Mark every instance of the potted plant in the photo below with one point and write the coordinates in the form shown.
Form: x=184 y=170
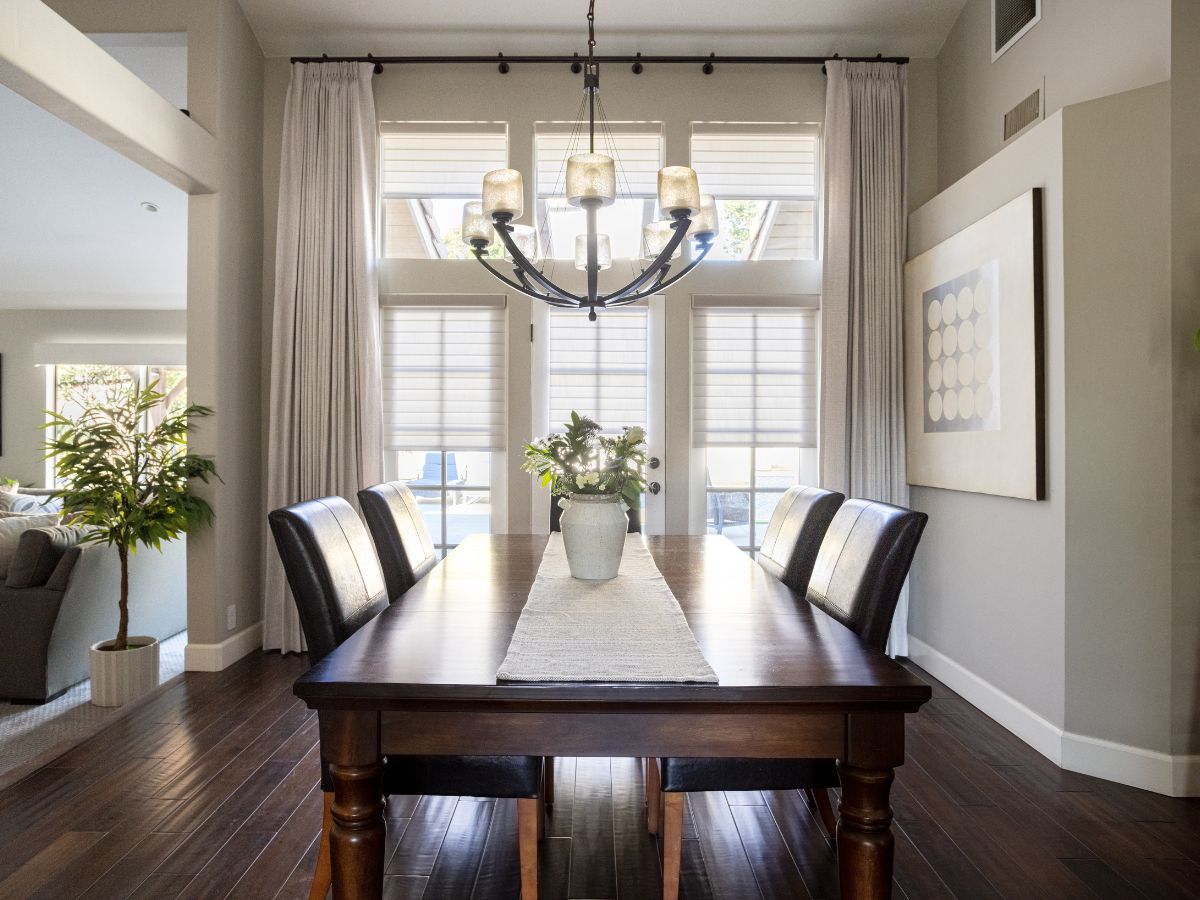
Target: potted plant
x=596 y=478
x=126 y=474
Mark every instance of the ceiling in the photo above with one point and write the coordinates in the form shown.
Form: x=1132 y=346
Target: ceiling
x=73 y=234
x=760 y=27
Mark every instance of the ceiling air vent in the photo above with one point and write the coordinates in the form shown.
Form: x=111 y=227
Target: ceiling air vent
x=1024 y=113
x=1010 y=20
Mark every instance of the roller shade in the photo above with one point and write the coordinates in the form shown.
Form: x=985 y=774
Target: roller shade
x=598 y=368
x=637 y=148
x=754 y=376
x=756 y=162
x=443 y=377
x=422 y=160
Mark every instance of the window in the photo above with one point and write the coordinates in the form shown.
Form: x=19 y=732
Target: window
x=599 y=369
x=427 y=171
x=764 y=178
x=754 y=396
x=638 y=150
x=444 y=407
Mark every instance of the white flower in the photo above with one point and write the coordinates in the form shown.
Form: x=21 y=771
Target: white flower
x=635 y=435
x=587 y=478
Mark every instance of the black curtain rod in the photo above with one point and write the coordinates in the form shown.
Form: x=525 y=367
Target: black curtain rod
x=711 y=59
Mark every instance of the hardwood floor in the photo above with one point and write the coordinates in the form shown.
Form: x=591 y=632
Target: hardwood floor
x=210 y=790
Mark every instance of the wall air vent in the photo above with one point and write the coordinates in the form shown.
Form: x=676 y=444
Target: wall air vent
x=1024 y=113
x=1010 y=20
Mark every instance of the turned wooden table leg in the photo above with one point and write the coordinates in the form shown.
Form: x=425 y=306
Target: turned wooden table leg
x=874 y=746
x=350 y=742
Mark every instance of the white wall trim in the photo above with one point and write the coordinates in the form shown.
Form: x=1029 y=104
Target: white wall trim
x=1038 y=732
x=215 y=657
x=1151 y=770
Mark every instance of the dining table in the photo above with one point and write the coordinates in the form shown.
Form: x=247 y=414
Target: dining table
x=420 y=679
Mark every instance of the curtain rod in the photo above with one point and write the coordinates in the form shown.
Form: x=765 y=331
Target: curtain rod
x=637 y=60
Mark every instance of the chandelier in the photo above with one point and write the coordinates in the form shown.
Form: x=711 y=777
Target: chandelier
x=591 y=183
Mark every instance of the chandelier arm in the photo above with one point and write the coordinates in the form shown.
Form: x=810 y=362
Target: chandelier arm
x=663 y=259
x=521 y=262
x=522 y=288
x=663 y=285
x=531 y=291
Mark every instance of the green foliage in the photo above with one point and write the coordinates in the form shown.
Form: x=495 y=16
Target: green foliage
x=741 y=217
x=127 y=474
x=1196 y=339
x=583 y=461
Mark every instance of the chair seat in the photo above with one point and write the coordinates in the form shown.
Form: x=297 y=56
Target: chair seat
x=457 y=776
x=685 y=774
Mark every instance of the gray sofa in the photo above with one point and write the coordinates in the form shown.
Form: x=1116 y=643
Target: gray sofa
x=60 y=597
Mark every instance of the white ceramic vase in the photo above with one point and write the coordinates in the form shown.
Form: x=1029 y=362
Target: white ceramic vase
x=593 y=530
x=119 y=677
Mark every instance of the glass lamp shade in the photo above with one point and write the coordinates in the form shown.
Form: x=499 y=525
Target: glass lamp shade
x=655 y=238
x=503 y=192
x=603 y=252
x=591 y=176
x=706 y=221
x=525 y=237
x=678 y=190
x=475 y=225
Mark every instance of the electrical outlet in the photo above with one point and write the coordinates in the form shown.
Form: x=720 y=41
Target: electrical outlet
x=231 y=617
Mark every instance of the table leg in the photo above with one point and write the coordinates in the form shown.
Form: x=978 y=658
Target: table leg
x=874 y=746
x=350 y=741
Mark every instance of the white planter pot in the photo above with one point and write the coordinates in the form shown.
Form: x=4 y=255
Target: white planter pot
x=118 y=677
x=593 y=530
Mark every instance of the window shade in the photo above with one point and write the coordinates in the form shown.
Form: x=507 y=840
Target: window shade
x=598 y=368
x=756 y=162
x=637 y=148
x=440 y=159
x=443 y=378
x=754 y=377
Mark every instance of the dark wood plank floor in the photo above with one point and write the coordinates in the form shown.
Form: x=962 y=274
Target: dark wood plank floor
x=210 y=790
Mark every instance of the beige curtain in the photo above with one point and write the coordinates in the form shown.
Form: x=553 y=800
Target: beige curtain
x=862 y=346
x=325 y=432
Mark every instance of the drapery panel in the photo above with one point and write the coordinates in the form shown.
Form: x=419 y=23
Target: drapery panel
x=862 y=400
x=325 y=433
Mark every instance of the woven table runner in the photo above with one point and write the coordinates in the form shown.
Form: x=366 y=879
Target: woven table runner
x=628 y=629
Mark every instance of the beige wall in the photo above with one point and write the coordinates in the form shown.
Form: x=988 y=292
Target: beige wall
x=1080 y=50
x=24 y=397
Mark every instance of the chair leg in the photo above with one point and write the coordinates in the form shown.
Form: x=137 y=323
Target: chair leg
x=672 y=843
x=653 y=789
x=825 y=808
x=548 y=781
x=529 y=810
x=323 y=876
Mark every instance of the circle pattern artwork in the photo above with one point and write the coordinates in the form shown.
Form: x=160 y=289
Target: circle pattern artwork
x=961 y=379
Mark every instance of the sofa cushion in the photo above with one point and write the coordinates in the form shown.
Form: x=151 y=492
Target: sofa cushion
x=22 y=502
x=11 y=529
x=39 y=551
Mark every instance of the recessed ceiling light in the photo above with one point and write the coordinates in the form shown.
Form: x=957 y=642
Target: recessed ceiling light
x=148 y=206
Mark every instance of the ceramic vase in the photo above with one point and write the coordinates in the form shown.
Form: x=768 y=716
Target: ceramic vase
x=593 y=530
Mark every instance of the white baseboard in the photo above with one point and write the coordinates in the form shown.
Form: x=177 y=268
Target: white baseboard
x=1151 y=770
x=215 y=657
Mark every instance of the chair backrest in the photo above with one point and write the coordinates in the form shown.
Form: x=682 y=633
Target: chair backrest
x=332 y=570
x=635 y=518
x=794 y=534
x=403 y=542
x=862 y=565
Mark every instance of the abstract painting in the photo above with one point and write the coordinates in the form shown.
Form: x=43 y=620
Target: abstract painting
x=973 y=357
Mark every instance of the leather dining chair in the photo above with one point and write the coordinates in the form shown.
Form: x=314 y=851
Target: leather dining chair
x=402 y=540
x=338 y=587
x=856 y=578
x=794 y=534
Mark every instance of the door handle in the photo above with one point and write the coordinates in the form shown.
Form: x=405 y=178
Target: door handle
x=654 y=487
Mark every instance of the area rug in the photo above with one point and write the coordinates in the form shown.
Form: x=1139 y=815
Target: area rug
x=29 y=733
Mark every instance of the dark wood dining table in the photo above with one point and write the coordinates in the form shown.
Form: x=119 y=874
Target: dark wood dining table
x=421 y=679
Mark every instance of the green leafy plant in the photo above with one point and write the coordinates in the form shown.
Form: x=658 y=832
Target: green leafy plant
x=127 y=474
x=584 y=461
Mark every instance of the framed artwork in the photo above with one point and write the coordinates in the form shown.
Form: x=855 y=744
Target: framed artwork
x=973 y=334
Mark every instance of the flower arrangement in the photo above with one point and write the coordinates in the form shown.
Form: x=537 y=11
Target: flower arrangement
x=583 y=461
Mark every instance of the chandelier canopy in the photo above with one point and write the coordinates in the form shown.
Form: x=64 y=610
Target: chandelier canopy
x=591 y=183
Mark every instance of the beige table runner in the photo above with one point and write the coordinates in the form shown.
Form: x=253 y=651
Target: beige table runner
x=628 y=629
